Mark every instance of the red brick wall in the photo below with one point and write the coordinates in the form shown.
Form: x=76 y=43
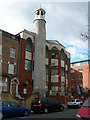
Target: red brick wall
x=8 y=43
x=24 y=75
x=85 y=73
x=59 y=70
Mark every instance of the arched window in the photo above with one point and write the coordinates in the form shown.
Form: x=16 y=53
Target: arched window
x=54 y=53
x=47 y=52
x=62 y=54
x=41 y=12
x=29 y=45
x=37 y=12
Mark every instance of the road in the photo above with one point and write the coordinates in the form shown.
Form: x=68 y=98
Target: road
x=67 y=113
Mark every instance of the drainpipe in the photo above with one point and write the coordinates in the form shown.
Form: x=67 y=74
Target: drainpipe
x=18 y=55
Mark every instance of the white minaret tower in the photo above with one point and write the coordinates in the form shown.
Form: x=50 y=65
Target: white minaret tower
x=39 y=56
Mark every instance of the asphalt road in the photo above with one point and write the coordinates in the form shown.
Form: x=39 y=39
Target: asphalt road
x=67 y=113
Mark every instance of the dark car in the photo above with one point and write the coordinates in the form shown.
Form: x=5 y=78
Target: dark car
x=46 y=105
x=84 y=112
x=8 y=108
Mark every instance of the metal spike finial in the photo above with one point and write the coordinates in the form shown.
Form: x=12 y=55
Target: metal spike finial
x=40 y=6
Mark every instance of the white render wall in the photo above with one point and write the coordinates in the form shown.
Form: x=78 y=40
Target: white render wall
x=39 y=60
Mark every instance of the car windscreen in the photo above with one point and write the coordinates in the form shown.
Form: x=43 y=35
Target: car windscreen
x=87 y=103
x=72 y=100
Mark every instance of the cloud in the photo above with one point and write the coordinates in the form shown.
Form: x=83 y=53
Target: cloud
x=64 y=21
x=72 y=51
x=67 y=22
x=75 y=53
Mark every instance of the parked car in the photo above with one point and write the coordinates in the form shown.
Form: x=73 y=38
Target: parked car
x=84 y=111
x=8 y=108
x=74 y=103
x=46 y=105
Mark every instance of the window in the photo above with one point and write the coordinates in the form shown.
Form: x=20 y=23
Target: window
x=62 y=54
x=12 y=52
x=54 y=70
x=4 y=86
x=47 y=69
x=80 y=77
x=33 y=66
x=72 y=71
x=0 y=49
x=72 y=77
x=62 y=87
x=29 y=45
x=54 y=53
x=66 y=74
x=27 y=64
x=37 y=12
x=41 y=12
x=54 y=56
x=62 y=71
x=80 y=69
x=54 y=88
x=14 y=104
x=66 y=60
x=47 y=52
x=11 y=69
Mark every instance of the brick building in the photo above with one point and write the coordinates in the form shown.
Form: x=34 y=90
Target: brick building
x=9 y=64
x=80 y=75
x=31 y=63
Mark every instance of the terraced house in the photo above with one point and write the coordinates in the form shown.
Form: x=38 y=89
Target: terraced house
x=32 y=64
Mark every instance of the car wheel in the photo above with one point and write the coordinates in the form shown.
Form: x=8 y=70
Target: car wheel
x=26 y=113
x=68 y=107
x=1 y=115
x=61 y=108
x=45 y=110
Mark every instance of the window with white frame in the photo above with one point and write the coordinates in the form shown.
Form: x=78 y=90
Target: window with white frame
x=11 y=69
x=54 y=88
x=27 y=64
x=4 y=85
x=80 y=69
x=0 y=49
x=12 y=52
x=72 y=71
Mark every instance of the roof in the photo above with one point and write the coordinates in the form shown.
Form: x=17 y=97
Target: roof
x=83 y=61
x=54 y=42
x=40 y=9
x=7 y=34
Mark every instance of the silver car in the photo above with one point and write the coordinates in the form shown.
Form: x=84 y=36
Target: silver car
x=74 y=103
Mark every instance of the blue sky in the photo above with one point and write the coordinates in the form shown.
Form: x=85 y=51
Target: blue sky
x=64 y=22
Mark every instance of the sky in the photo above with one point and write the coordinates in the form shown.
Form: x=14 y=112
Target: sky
x=65 y=21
